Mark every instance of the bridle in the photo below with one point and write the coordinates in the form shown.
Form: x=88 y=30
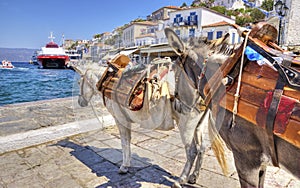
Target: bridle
x=181 y=61
x=84 y=80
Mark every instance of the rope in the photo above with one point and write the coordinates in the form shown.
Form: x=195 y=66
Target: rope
x=237 y=94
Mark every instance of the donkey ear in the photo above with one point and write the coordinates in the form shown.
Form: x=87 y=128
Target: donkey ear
x=220 y=41
x=174 y=41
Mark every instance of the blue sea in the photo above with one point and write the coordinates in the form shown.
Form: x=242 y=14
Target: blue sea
x=26 y=82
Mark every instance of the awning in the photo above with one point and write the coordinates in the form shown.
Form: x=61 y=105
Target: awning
x=128 y=52
x=108 y=56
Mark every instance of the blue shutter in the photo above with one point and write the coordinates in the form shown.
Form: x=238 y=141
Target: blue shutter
x=219 y=34
x=233 y=38
x=210 y=35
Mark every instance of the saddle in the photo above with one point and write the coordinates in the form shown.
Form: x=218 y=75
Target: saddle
x=126 y=85
x=126 y=89
x=269 y=94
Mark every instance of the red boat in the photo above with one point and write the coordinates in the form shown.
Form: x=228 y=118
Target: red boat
x=52 y=56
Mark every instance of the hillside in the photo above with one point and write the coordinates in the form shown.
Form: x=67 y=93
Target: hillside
x=16 y=54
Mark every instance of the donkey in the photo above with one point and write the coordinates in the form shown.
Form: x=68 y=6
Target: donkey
x=248 y=143
x=183 y=111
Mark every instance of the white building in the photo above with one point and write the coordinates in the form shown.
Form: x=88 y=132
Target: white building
x=229 y=3
x=188 y=22
x=216 y=30
x=138 y=30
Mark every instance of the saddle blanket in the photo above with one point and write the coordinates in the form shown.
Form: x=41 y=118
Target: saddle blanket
x=258 y=84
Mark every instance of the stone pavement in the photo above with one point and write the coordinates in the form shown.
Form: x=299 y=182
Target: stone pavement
x=92 y=159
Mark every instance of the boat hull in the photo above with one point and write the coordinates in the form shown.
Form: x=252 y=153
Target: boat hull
x=53 y=62
x=6 y=67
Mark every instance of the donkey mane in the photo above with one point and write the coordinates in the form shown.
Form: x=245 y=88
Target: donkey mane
x=216 y=51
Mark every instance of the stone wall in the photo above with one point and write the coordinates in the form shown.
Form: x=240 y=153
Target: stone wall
x=293 y=24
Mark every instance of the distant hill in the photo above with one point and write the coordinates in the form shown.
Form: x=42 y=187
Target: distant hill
x=16 y=54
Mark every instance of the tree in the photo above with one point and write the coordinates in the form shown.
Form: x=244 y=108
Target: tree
x=97 y=36
x=243 y=20
x=257 y=15
x=267 y=5
x=220 y=9
x=183 y=5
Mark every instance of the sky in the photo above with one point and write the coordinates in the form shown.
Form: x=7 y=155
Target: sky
x=28 y=23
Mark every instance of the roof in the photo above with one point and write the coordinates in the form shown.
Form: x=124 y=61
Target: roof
x=168 y=7
x=217 y=24
x=172 y=7
x=144 y=23
x=149 y=23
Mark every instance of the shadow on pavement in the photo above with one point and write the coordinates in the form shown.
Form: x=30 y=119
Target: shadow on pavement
x=103 y=167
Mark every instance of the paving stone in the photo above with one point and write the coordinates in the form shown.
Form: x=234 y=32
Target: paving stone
x=157 y=146
x=113 y=143
x=211 y=179
x=96 y=182
x=10 y=156
x=49 y=171
x=155 y=134
x=173 y=167
x=142 y=154
x=110 y=171
x=178 y=155
x=294 y=184
x=153 y=174
x=137 y=137
x=87 y=157
x=64 y=181
x=132 y=182
x=279 y=178
x=33 y=156
x=96 y=146
x=173 y=139
x=12 y=169
x=81 y=173
x=113 y=155
x=29 y=182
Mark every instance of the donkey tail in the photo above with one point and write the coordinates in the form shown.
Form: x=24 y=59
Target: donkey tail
x=218 y=145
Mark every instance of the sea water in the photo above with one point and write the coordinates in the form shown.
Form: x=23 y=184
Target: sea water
x=26 y=82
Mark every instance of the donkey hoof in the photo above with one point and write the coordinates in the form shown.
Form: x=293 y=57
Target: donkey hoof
x=192 y=179
x=123 y=170
x=176 y=185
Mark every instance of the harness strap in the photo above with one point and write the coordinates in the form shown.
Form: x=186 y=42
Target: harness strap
x=271 y=119
x=237 y=94
x=215 y=81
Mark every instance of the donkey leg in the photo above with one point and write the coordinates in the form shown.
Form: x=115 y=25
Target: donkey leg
x=251 y=172
x=262 y=175
x=125 y=134
x=200 y=153
x=187 y=126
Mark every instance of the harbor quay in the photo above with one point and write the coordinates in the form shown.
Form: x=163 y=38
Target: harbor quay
x=56 y=143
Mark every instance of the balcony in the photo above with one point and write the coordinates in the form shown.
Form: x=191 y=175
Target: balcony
x=185 y=23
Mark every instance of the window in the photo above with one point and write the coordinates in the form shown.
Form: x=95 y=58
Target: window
x=219 y=34
x=233 y=38
x=192 y=33
x=192 y=19
x=210 y=35
x=178 y=18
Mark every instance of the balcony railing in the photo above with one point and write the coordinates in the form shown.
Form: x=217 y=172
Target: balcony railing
x=185 y=23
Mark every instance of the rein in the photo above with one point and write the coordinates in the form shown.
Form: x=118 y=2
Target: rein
x=85 y=80
x=199 y=105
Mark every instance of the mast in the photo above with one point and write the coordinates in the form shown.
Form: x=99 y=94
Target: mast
x=51 y=37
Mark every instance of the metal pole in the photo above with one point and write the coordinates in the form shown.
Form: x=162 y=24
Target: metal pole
x=279 y=31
